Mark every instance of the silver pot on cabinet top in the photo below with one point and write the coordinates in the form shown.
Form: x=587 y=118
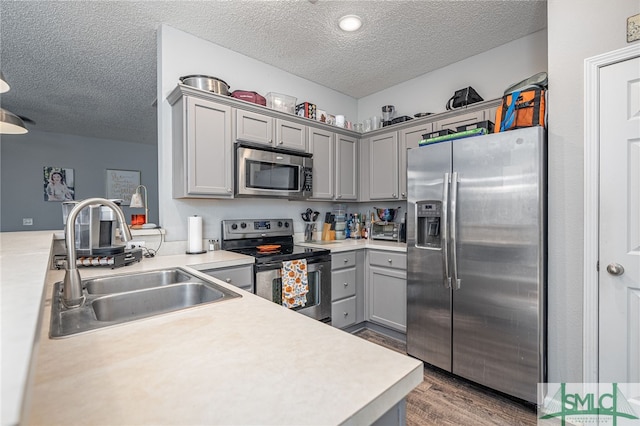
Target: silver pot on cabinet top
x=205 y=82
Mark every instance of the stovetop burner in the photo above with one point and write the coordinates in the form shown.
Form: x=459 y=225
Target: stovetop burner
x=245 y=235
x=285 y=253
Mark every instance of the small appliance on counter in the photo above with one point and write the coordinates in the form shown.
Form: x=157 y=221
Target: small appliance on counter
x=95 y=238
x=389 y=231
x=385 y=228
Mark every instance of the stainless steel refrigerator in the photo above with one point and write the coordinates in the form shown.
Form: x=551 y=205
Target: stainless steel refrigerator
x=476 y=259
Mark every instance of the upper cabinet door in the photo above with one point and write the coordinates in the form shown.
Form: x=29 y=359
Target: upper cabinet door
x=253 y=127
x=383 y=167
x=346 y=167
x=209 y=160
x=452 y=123
x=409 y=138
x=291 y=135
x=321 y=145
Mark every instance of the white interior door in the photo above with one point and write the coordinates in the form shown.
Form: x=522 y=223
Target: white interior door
x=619 y=234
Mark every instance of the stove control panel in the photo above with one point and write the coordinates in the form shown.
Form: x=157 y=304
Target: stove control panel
x=256 y=228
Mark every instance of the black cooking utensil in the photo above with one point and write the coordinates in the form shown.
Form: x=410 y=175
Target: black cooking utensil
x=315 y=216
x=306 y=216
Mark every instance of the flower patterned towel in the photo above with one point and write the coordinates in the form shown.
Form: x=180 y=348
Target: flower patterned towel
x=295 y=284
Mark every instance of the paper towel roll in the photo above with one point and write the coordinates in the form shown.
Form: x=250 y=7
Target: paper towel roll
x=194 y=235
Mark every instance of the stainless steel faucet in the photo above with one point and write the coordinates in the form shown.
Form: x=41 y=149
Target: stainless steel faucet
x=73 y=295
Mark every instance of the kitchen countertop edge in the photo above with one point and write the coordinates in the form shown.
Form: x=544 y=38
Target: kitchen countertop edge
x=12 y=247
x=337 y=246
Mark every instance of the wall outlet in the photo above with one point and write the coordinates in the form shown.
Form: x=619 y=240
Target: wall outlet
x=135 y=244
x=27 y=221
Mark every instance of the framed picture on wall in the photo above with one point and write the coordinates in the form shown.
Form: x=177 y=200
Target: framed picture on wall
x=59 y=184
x=121 y=184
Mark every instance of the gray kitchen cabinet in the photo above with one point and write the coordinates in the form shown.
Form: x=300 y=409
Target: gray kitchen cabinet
x=409 y=138
x=254 y=127
x=291 y=135
x=343 y=289
x=346 y=168
x=461 y=119
x=347 y=288
x=343 y=312
x=275 y=132
x=386 y=290
x=202 y=149
x=239 y=276
x=383 y=167
x=322 y=146
x=363 y=160
x=490 y=114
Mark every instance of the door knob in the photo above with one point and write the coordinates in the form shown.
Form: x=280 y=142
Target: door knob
x=615 y=269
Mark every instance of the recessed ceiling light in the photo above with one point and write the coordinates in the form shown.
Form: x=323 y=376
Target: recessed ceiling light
x=350 y=23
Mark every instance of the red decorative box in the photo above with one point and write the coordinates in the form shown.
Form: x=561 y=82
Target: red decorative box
x=252 y=97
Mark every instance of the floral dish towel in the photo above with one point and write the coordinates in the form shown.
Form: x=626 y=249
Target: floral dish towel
x=295 y=284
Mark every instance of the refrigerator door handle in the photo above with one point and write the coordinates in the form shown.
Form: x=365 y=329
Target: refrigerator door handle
x=444 y=235
x=454 y=201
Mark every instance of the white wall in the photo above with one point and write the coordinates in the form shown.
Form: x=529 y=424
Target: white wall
x=489 y=73
x=181 y=54
x=577 y=29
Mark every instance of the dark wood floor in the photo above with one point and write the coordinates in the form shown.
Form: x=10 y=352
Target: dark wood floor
x=442 y=399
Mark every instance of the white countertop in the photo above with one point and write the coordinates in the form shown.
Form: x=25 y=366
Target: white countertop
x=241 y=361
x=337 y=246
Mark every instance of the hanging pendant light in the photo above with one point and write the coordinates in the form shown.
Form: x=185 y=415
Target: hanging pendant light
x=11 y=124
x=4 y=86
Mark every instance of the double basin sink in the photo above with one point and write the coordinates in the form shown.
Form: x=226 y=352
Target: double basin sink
x=122 y=298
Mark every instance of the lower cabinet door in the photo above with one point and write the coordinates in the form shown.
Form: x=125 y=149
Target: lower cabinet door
x=343 y=312
x=343 y=283
x=387 y=297
x=240 y=276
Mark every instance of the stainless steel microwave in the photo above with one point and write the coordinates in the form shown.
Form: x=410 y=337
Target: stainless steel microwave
x=263 y=171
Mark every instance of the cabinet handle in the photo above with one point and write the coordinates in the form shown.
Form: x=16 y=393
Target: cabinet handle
x=229 y=190
x=228 y=280
x=346 y=260
x=345 y=314
x=270 y=140
x=346 y=284
x=394 y=195
x=404 y=195
x=389 y=260
x=339 y=196
x=280 y=143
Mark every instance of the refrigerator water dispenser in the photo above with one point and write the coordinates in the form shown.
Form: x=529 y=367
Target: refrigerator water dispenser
x=428 y=215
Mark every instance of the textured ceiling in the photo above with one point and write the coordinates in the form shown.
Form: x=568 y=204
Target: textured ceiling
x=89 y=67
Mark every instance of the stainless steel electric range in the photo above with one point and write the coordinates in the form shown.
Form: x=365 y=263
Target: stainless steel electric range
x=270 y=241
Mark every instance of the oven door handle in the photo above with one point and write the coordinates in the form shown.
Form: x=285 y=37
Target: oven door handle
x=262 y=267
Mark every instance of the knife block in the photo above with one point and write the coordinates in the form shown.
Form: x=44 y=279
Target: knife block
x=327 y=233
